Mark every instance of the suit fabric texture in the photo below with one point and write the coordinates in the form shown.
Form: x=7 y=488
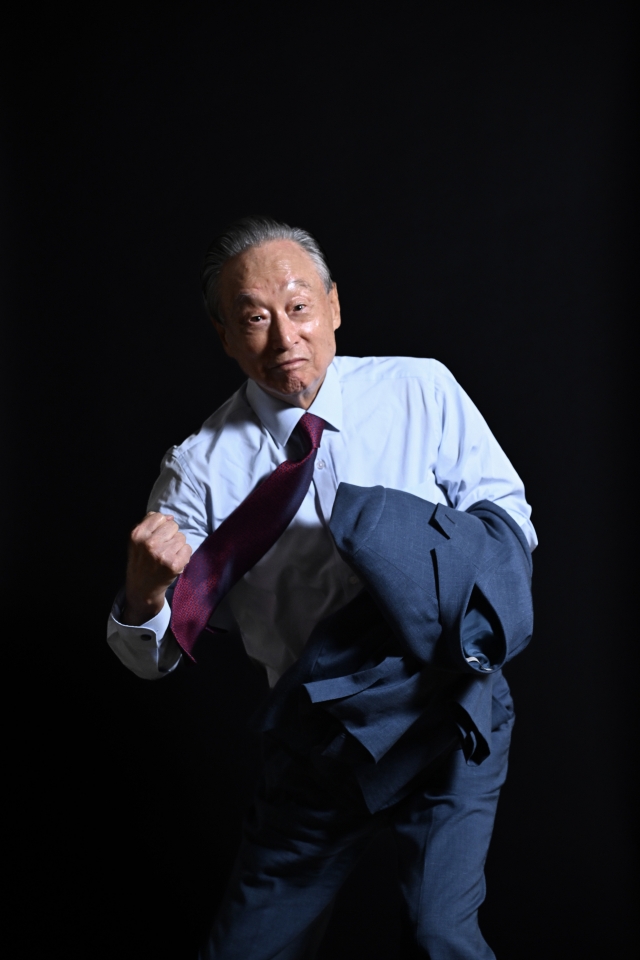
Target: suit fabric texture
x=386 y=721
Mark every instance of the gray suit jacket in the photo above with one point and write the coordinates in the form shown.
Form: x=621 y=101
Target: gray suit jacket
x=384 y=686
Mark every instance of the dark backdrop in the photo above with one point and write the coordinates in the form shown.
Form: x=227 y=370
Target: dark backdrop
x=467 y=169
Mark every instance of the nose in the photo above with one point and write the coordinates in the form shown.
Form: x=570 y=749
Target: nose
x=283 y=332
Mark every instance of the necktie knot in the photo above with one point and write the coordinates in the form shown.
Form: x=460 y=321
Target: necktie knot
x=312 y=427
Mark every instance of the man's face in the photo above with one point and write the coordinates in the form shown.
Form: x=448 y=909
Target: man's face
x=279 y=321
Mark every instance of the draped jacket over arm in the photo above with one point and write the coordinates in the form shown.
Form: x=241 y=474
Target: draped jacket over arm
x=384 y=684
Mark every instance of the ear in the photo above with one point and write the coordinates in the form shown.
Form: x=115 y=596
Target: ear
x=335 y=306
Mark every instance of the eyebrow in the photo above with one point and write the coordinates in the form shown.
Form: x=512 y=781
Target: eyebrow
x=243 y=298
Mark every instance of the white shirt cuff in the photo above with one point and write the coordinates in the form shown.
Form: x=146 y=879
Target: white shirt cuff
x=148 y=650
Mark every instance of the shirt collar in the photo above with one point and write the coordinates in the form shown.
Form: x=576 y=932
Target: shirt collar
x=281 y=418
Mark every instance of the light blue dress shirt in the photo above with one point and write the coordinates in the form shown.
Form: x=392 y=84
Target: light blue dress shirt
x=396 y=421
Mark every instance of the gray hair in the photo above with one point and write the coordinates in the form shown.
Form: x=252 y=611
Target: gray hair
x=250 y=232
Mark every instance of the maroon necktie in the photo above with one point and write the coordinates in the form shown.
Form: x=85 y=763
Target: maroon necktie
x=241 y=540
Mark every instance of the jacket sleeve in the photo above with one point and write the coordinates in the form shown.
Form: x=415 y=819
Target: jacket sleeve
x=442 y=578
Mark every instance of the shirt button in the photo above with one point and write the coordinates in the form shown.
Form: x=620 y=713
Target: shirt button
x=353 y=579
x=320 y=464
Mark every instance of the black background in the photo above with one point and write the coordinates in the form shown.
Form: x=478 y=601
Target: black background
x=467 y=168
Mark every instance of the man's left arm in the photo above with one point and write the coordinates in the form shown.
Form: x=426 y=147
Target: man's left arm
x=471 y=464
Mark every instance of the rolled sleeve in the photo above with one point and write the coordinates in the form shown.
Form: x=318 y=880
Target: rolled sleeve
x=472 y=465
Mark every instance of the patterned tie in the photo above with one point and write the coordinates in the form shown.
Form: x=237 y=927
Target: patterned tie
x=241 y=540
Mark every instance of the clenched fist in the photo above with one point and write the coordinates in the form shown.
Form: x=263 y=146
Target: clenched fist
x=158 y=552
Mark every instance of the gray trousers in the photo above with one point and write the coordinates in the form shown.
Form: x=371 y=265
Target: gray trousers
x=302 y=838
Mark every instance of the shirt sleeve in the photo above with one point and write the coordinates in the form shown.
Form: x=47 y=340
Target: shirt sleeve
x=150 y=651
x=471 y=464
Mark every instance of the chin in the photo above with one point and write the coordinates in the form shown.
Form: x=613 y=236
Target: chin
x=289 y=386
x=290 y=389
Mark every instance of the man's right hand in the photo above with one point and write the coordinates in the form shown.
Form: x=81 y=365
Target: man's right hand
x=158 y=553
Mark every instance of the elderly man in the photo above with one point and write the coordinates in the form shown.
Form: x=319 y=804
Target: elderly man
x=275 y=500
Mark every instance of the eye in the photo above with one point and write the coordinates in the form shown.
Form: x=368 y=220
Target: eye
x=299 y=306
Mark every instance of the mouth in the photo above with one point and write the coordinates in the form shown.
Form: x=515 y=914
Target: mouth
x=289 y=364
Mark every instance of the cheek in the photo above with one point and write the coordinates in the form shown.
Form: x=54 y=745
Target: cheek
x=320 y=333
x=328 y=339
x=244 y=350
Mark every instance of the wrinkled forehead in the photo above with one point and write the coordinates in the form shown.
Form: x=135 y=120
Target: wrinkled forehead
x=274 y=267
